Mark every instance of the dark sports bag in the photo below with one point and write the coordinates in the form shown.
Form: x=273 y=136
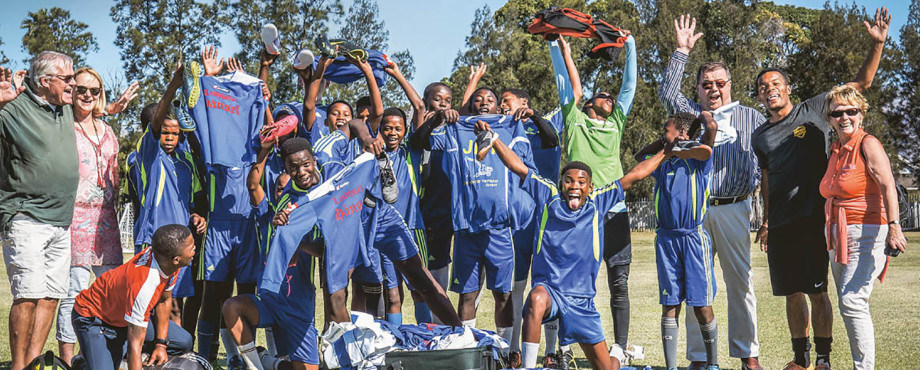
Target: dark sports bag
x=48 y=361
x=479 y=358
x=553 y=22
x=187 y=361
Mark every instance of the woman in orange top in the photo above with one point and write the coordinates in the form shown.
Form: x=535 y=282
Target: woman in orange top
x=862 y=217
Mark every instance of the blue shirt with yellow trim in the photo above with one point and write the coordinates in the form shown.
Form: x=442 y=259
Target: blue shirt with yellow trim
x=569 y=244
x=682 y=192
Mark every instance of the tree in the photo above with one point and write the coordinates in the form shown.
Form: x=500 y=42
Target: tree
x=153 y=35
x=904 y=107
x=3 y=58
x=299 y=22
x=366 y=30
x=53 y=29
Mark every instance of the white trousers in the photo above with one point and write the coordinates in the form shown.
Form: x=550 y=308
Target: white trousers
x=854 y=281
x=728 y=226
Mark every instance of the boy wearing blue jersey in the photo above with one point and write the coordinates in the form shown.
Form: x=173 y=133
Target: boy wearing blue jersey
x=564 y=269
x=290 y=311
x=682 y=247
x=166 y=181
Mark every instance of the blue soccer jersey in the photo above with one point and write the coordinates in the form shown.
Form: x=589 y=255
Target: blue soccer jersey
x=682 y=192
x=166 y=185
x=569 y=244
x=407 y=204
x=335 y=206
x=482 y=194
x=333 y=152
x=228 y=115
x=229 y=193
x=546 y=159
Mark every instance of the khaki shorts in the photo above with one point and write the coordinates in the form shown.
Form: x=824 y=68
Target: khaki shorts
x=37 y=257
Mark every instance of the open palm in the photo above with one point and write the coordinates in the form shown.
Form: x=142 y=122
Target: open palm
x=7 y=91
x=878 y=30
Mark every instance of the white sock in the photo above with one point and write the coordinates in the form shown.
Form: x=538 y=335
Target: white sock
x=517 y=301
x=504 y=332
x=229 y=343
x=269 y=362
x=442 y=277
x=270 y=341
x=470 y=323
x=529 y=355
x=551 y=330
x=251 y=356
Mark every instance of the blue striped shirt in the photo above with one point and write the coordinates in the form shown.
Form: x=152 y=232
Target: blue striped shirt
x=735 y=170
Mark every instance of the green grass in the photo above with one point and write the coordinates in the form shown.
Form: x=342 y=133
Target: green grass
x=894 y=309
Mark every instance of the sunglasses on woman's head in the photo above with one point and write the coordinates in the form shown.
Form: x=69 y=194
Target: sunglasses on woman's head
x=852 y=112
x=95 y=91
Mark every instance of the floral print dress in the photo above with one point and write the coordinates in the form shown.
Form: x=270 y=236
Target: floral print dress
x=94 y=234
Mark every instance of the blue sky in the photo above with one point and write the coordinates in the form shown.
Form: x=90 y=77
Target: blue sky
x=432 y=30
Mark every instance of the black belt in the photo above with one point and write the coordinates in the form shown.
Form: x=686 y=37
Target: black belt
x=723 y=201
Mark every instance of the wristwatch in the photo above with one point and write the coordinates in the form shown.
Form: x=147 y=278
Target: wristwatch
x=894 y=222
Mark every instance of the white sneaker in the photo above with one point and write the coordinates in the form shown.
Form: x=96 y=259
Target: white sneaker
x=304 y=59
x=617 y=353
x=271 y=38
x=634 y=352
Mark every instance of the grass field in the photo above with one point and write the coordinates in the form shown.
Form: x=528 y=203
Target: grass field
x=894 y=307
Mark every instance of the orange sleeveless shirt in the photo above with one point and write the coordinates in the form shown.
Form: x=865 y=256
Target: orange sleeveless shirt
x=848 y=183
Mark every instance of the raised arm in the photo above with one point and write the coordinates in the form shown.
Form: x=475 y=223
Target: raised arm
x=212 y=66
x=8 y=90
x=311 y=90
x=711 y=127
x=476 y=74
x=257 y=172
x=166 y=100
x=643 y=169
x=265 y=62
x=669 y=91
x=628 y=88
x=418 y=105
x=547 y=133
x=574 y=78
x=376 y=111
x=420 y=140
x=878 y=32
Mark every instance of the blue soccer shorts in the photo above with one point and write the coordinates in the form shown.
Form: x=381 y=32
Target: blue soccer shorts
x=292 y=325
x=231 y=251
x=685 y=267
x=579 y=321
x=491 y=251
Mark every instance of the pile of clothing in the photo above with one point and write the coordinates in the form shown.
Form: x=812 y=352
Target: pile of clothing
x=364 y=343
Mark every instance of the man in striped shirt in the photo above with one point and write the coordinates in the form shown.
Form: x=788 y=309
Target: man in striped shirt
x=735 y=175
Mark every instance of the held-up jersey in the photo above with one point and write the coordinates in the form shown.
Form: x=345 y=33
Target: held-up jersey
x=482 y=194
x=682 y=192
x=228 y=115
x=126 y=294
x=333 y=152
x=335 y=206
x=547 y=160
x=166 y=187
x=568 y=249
x=407 y=204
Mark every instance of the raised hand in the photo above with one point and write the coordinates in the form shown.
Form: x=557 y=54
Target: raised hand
x=878 y=30
x=476 y=73
x=8 y=92
x=685 y=27
x=523 y=113
x=234 y=65
x=392 y=69
x=19 y=78
x=123 y=101
x=266 y=58
x=212 y=66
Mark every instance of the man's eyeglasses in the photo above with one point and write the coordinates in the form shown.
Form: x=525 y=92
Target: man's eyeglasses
x=719 y=84
x=852 y=112
x=65 y=78
x=95 y=91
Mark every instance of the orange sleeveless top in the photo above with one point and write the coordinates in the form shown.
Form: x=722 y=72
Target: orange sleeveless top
x=848 y=183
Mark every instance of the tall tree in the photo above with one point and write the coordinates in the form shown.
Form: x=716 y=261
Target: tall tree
x=3 y=58
x=298 y=21
x=904 y=108
x=153 y=35
x=53 y=29
x=363 y=27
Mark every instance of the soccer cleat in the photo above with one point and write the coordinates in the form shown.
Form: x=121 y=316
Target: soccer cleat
x=369 y=201
x=191 y=84
x=745 y=366
x=551 y=361
x=236 y=363
x=697 y=365
x=390 y=189
x=351 y=50
x=515 y=360
x=186 y=123
x=328 y=48
x=688 y=149
x=567 y=360
x=484 y=141
x=304 y=59
x=271 y=38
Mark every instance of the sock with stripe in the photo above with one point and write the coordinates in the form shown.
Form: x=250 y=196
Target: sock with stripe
x=251 y=356
x=669 y=341
x=207 y=330
x=710 y=333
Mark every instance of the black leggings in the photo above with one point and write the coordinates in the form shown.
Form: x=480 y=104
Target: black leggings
x=617 y=277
